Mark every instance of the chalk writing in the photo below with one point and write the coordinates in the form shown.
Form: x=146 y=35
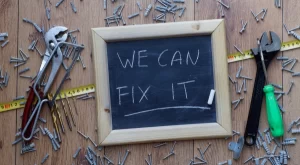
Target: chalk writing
x=164 y=108
x=160 y=82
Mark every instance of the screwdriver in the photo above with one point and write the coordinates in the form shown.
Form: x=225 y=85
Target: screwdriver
x=273 y=113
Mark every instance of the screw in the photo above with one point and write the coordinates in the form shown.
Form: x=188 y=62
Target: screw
x=209 y=144
x=266 y=148
x=48 y=13
x=5 y=43
x=222 y=163
x=181 y=12
x=42 y=120
x=105 y=4
x=133 y=15
x=291 y=142
x=159 y=145
x=231 y=80
x=148 y=9
x=238 y=49
x=227 y=6
x=254 y=16
x=239 y=72
x=29 y=77
x=276 y=86
x=290 y=88
x=279 y=92
x=265 y=12
x=245 y=85
x=285 y=63
x=259 y=12
x=80 y=58
x=139 y=5
x=295 y=131
x=125 y=157
x=172 y=149
x=257 y=144
x=241 y=87
x=105 y=157
x=288 y=139
x=288 y=70
x=268 y=137
x=42 y=130
x=4 y=34
x=222 y=12
x=293 y=64
x=89 y=160
x=86 y=137
x=73 y=7
x=58 y=3
x=17 y=141
x=259 y=140
x=170 y=154
x=279 y=96
x=19 y=98
x=274 y=149
x=45 y=158
x=93 y=142
x=121 y=9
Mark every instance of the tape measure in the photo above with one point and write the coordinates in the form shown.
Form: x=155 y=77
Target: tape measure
x=69 y=92
x=247 y=54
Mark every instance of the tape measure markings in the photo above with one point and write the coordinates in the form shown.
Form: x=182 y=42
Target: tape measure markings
x=69 y=92
x=248 y=55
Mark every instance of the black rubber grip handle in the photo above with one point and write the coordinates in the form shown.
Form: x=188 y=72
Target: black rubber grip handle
x=255 y=107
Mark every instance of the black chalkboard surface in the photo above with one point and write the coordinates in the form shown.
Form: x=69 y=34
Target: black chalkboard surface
x=161 y=82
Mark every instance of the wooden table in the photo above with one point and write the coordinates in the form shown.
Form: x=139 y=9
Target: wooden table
x=91 y=14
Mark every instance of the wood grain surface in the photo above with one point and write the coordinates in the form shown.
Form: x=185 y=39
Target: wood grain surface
x=90 y=14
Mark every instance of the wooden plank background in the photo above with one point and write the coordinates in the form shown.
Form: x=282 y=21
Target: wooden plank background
x=91 y=14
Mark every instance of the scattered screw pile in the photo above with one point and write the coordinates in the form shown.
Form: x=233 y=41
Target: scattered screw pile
x=164 y=7
x=263 y=12
x=292 y=31
x=243 y=87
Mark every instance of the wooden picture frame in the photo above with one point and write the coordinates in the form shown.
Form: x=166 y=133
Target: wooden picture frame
x=222 y=128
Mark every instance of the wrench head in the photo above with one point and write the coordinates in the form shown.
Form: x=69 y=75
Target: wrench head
x=54 y=34
x=269 y=47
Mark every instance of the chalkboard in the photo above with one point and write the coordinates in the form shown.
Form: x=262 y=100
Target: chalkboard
x=153 y=82
x=161 y=82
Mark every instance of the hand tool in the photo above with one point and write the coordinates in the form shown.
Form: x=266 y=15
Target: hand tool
x=270 y=49
x=66 y=114
x=273 y=111
x=73 y=99
x=59 y=117
x=53 y=109
x=70 y=109
x=54 y=54
x=51 y=43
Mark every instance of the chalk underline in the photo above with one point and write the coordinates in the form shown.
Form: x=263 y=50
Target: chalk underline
x=164 y=108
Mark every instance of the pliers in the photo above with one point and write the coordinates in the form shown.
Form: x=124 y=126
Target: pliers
x=37 y=98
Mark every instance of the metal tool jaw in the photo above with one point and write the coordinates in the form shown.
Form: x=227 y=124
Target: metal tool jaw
x=52 y=37
x=269 y=49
